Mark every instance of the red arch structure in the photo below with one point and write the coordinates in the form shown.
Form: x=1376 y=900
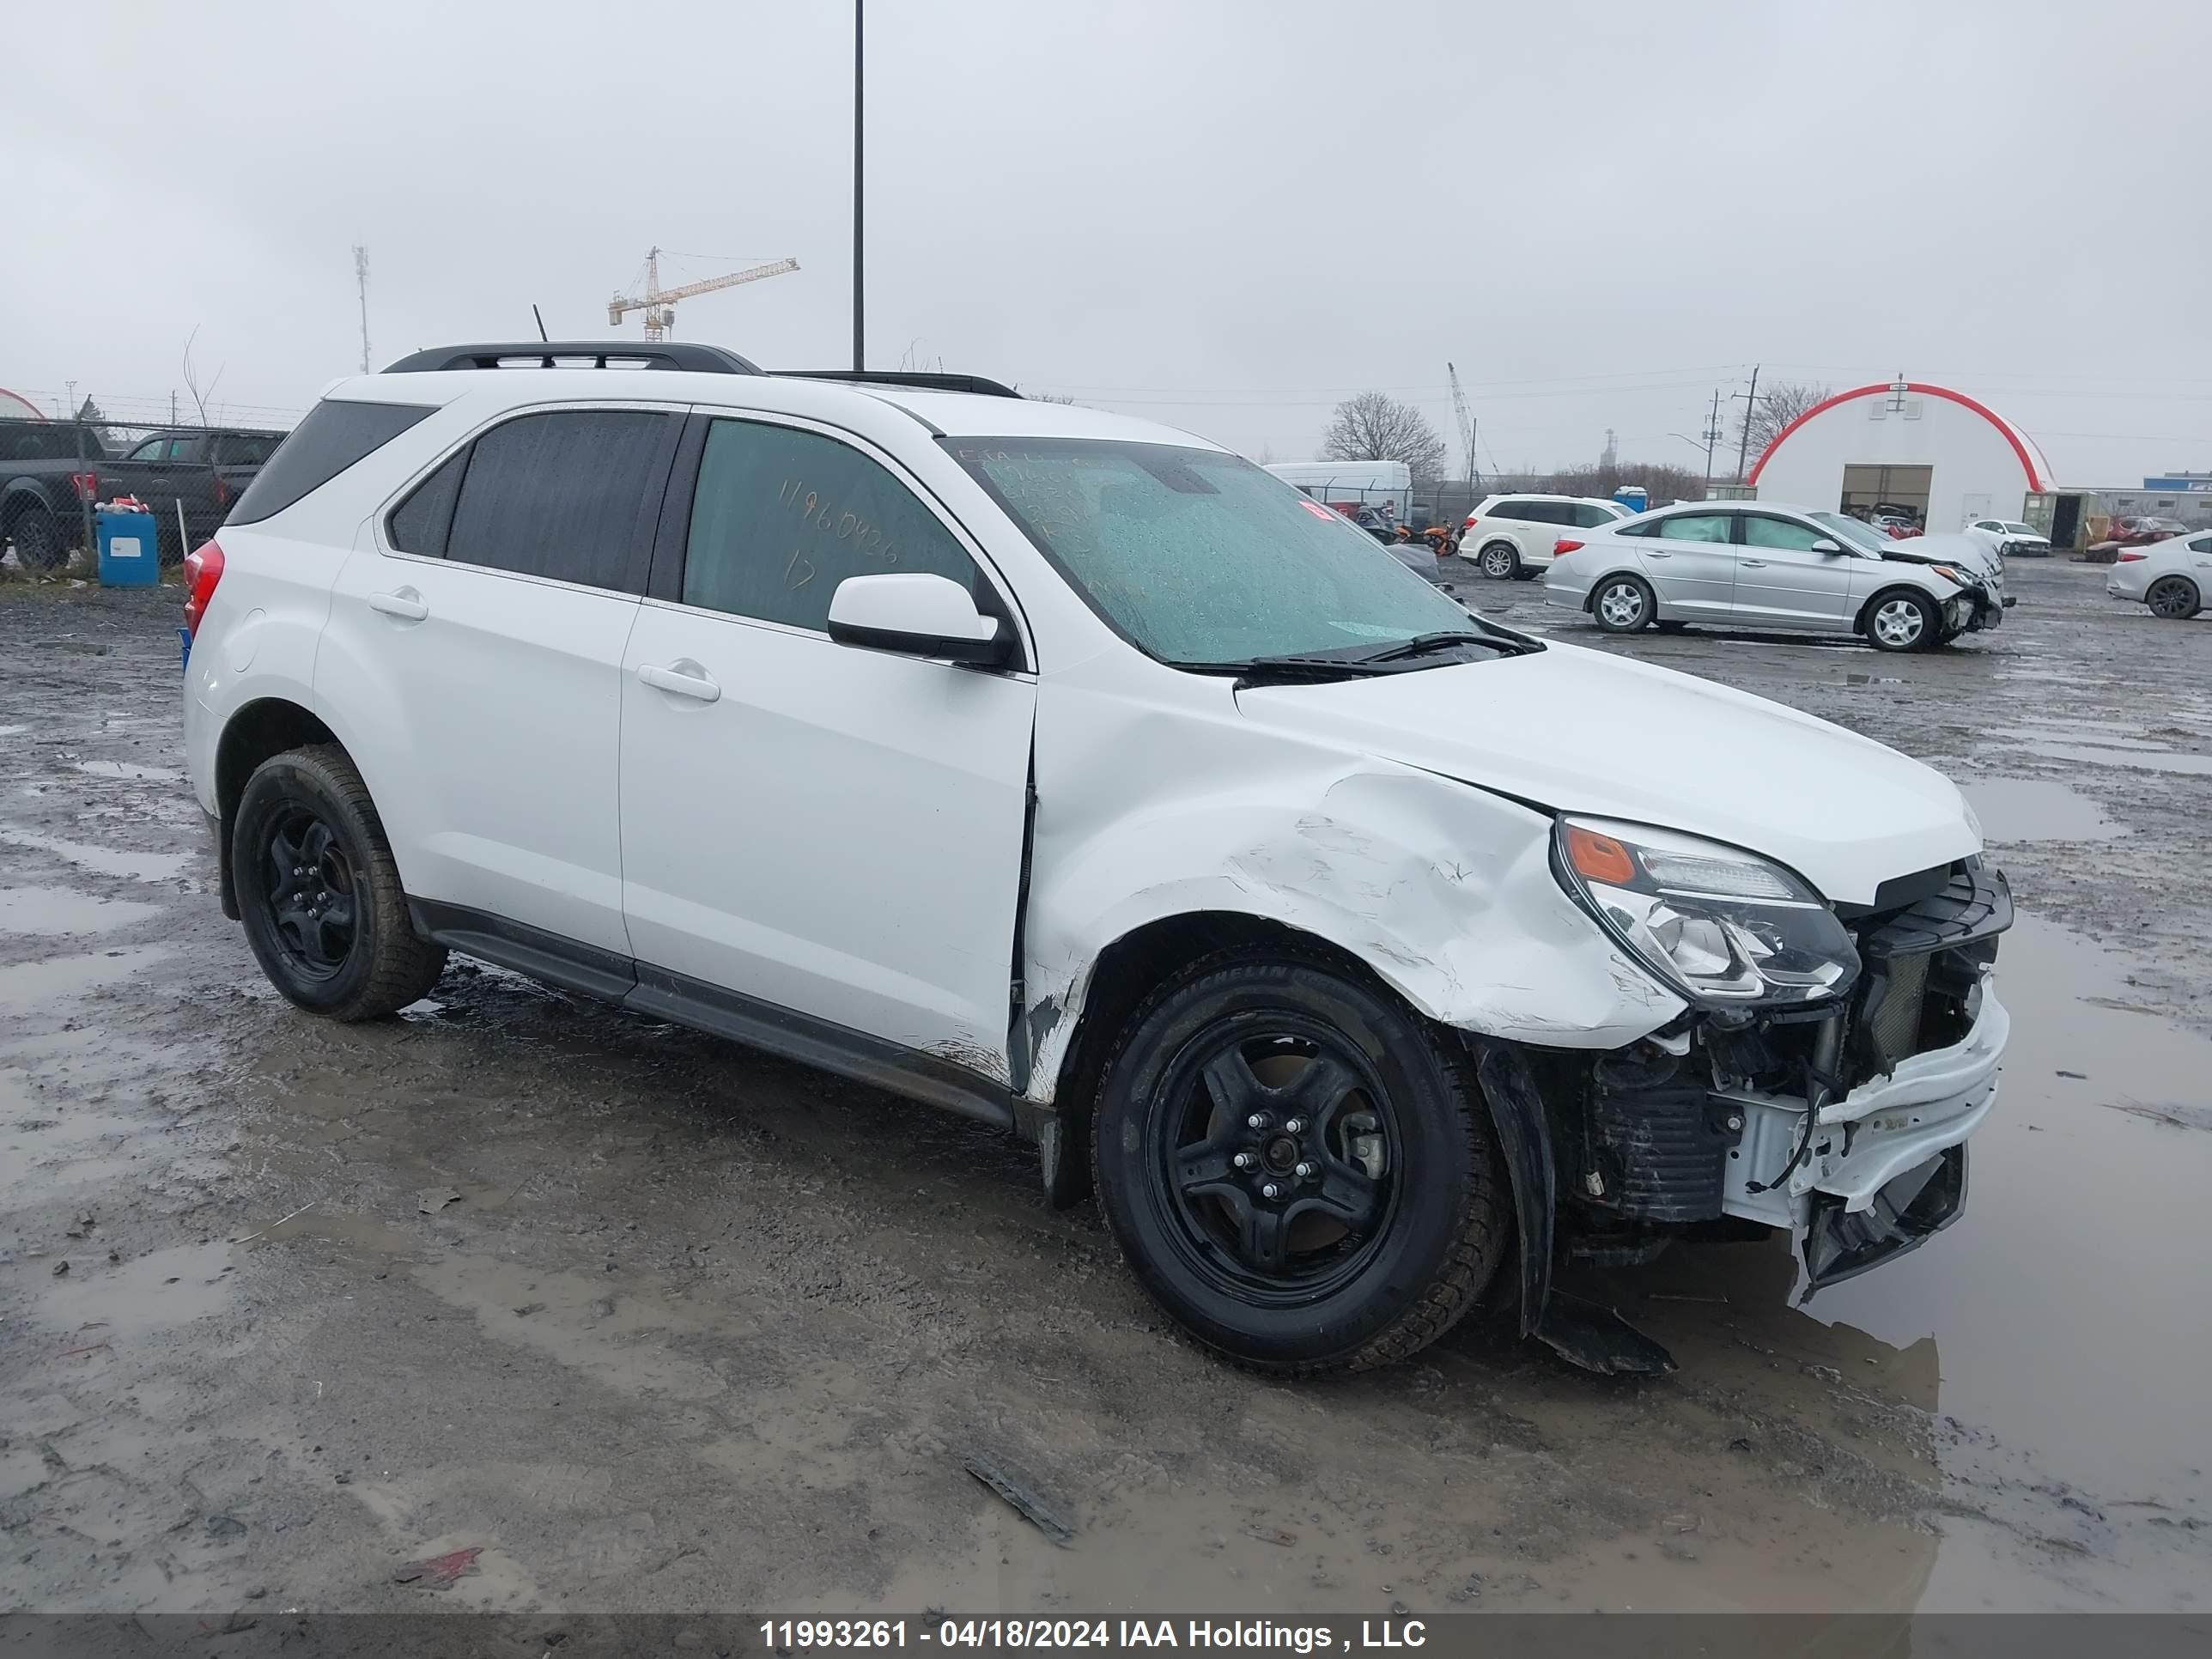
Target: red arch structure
x=30 y=410
x=2011 y=434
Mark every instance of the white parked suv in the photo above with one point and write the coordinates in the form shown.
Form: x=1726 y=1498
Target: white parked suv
x=1069 y=771
x=1510 y=536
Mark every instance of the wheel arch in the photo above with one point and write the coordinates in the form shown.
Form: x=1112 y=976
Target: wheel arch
x=257 y=731
x=1135 y=964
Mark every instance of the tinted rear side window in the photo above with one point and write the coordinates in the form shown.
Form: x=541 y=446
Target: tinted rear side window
x=334 y=435
x=420 y=524
x=572 y=495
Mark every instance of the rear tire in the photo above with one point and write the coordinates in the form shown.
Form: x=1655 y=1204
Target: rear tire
x=318 y=891
x=1500 y=562
x=39 y=542
x=1388 y=1216
x=2174 y=598
x=1622 y=604
x=1902 y=620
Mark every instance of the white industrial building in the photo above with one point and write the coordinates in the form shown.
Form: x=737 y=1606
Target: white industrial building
x=1928 y=449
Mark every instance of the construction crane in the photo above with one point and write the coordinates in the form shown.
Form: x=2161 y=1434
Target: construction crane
x=659 y=303
x=1466 y=423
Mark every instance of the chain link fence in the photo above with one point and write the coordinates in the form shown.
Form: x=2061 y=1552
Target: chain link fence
x=53 y=473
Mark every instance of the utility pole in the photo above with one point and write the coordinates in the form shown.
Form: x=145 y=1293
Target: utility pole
x=1712 y=435
x=1750 y=404
x=361 y=278
x=859 y=331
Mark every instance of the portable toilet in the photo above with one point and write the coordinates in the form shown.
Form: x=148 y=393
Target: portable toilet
x=130 y=547
x=1634 y=497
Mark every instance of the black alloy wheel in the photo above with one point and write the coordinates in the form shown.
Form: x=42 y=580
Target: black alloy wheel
x=1301 y=1171
x=1274 y=1152
x=319 y=891
x=2173 y=598
x=307 y=886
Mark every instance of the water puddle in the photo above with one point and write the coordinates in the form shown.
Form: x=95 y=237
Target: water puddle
x=2089 y=755
x=58 y=912
x=150 y=1293
x=116 y=769
x=103 y=860
x=2026 y=809
x=29 y=984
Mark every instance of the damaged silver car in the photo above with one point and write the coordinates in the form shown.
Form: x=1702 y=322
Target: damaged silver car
x=1069 y=771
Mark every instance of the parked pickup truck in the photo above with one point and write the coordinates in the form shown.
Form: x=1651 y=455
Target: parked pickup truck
x=50 y=469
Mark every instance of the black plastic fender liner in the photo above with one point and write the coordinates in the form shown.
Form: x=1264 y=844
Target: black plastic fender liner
x=1517 y=1111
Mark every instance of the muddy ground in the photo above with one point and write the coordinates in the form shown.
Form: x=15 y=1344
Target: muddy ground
x=655 y=1323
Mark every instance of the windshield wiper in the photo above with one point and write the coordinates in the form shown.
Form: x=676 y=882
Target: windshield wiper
x=1294 y=668
x=1422 y=645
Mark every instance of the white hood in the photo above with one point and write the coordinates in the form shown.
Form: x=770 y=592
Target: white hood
x=1577 y=730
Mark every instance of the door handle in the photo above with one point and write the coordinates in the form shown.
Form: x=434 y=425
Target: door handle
x=406 y=605
x=1753 y=564
x=1654 y=553
x=682 y=679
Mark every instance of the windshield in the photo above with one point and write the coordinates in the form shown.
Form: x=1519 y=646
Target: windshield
x=1202 y=558
x=1863 y=537
x=2011 y=529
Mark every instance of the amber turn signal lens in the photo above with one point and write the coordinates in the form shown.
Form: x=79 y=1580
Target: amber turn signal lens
x=1599 y=858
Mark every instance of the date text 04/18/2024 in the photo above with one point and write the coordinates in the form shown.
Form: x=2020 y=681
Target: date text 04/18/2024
x=786 y=1635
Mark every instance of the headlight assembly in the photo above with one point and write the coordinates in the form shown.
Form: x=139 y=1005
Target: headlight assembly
x=1725 y=927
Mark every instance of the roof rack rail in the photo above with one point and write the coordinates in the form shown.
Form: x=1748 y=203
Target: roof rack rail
x=567 y=354
x=920 y=382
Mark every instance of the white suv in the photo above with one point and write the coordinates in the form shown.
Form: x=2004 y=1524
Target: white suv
x=1510 y=536
x=1068 y=772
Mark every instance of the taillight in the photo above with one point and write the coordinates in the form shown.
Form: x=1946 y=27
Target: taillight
x=86 y=485
x=1469 y=524
x=1562 y=547
x=202 y=570
x=2129 y=558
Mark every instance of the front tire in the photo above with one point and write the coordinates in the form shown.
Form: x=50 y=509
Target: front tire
x=1298 y=1172
x=2174 y=598
x=1500 y=562
x=1622 y=604
x=1902 y=621
x=320 y=893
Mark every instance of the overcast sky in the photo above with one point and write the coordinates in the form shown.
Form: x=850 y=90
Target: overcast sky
x=1222 y=214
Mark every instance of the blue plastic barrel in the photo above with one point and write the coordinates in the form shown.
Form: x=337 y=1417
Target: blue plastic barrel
x=130 y=549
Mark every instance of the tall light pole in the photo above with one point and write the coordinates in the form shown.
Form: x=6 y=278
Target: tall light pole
x=859 y=329
x=1750 y=407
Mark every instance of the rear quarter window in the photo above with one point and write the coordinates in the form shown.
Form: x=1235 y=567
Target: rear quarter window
x=334 y=436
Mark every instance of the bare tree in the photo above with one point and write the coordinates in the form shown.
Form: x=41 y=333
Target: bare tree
x=192 y=381
x=1776 y=406
x=1373 y=427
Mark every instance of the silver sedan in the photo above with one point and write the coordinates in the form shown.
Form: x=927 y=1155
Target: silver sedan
x=1786 y=570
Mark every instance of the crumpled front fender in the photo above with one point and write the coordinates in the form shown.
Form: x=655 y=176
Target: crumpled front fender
x=1443 y=890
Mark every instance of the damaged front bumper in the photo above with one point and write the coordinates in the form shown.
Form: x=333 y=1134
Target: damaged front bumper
x=1879 y=1170
x=1844 y=1125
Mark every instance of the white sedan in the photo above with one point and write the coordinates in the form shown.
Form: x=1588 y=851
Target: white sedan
x=2009 y=536
x=2173 y=577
